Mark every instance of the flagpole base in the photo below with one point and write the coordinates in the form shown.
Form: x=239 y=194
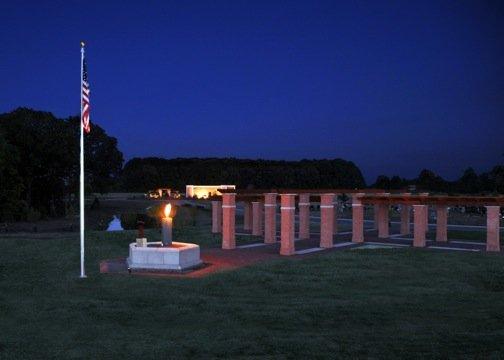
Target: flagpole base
x=83 y=276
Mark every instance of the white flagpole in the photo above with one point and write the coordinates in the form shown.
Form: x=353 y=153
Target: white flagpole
x=81 y=189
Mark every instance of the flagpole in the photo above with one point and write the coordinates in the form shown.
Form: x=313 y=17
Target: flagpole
x=81 y=182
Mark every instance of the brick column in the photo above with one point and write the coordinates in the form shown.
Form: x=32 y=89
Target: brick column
x=405 y=214
x=357 y=219
x=383 y=221
x=426 y=212
x=287 y=225
x=326 y=220
x=256 y=218
x=228 y=221
x=442 y=223
x=247 y=216
x=335 y=224
x=405 y=219
x=216 y=217
x=426 y=218
x=270 y=218
x=261 y=217
x=419 y=225
x=304 y=216
x=376 y=210
x=493 y=228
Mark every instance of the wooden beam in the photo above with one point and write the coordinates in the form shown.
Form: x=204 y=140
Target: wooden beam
x=434 y=200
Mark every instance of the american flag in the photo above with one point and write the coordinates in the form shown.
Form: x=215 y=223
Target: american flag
x=85 y=99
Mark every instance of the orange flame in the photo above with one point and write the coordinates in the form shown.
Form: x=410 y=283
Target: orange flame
x=167 y=210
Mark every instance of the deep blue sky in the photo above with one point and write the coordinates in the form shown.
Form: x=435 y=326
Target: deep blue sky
x=395 y=86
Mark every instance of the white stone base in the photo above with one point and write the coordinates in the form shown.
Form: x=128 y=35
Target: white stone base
x=178 y=256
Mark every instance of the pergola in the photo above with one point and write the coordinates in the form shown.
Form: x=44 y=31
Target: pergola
x=409 y=199
x=260 y=214
x=249 y=195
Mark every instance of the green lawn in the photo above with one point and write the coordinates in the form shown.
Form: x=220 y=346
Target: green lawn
x=396 y=303
x=465 y=235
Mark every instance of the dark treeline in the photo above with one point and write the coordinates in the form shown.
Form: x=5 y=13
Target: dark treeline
x=491 y=182
x=141 y=174
x=39 y=164
x=39 y=168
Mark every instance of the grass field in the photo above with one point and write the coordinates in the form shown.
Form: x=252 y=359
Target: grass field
x=478 y=236
x=396 y=303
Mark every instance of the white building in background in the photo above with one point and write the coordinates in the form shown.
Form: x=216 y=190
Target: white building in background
x=204 y=191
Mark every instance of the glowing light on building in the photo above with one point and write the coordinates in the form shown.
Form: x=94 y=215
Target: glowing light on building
x=205 y=191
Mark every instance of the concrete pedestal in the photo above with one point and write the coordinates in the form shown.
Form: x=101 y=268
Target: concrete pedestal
x=179 y=256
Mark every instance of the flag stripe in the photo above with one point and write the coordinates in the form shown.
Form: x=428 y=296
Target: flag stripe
x=85 y=99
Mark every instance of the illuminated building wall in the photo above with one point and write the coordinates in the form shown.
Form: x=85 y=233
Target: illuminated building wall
x=204 y=191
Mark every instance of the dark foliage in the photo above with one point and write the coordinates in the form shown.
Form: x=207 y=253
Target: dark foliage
x=470 y=182
x=39 y=162
x=11 y=186
x=142 y=174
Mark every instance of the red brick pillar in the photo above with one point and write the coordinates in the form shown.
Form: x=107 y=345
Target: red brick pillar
x=256 y=218
x=261 y=217
x=405 y=214
x=426 y=212
x=304 y=216
x=335 y=223
x=270 y=218
x=427 y=218
x=383 y=221
x=357 y=219
x=405 y=219
x=247 y=216
x=376 y=217
x=442 y=223
x=228 y=221
x=216 y=217
x=419 y=225
x=287 y=225
x=326 y=220
x=493 y=228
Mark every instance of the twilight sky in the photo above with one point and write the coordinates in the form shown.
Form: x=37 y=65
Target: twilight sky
x=395 y=86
